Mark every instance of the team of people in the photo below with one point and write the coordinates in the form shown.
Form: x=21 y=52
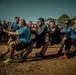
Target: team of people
x=20 y=33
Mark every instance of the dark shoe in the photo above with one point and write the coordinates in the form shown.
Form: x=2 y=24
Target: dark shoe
x=37 y=58
x=38 y=54
x=19 y=56
x=1 y=57
x=22 y=60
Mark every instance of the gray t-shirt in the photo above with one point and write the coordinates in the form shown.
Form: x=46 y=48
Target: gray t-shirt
x=41 y=29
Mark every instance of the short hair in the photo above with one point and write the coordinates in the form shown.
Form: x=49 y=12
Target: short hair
x=16 y=18
x=41 y=19
x=52 y=21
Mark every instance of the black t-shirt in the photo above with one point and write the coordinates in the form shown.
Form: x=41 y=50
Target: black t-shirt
x=56 y=33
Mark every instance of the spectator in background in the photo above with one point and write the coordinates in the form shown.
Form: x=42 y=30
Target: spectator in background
x=34 y=27
x=8 y=24
x=30 y=25
x=4 y=26
x=47 y=25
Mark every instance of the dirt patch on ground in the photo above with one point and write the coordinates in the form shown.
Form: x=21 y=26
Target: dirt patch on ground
x=51 y=65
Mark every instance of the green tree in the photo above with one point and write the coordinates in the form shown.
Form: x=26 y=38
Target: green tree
x=63 y=18
x=72 y=20
x=50 y=19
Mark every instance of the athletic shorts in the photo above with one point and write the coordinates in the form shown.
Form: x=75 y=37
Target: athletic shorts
x=55 y=40
x=13 y=38
x=39 y=41
x=21 y=45
x=73 y=41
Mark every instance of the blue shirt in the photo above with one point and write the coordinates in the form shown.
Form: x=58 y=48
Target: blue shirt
x=67 y=31
x=73 y=34
x=24 y=34
x=14 y=26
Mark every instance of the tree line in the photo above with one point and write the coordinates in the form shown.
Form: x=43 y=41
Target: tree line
x=61 y=20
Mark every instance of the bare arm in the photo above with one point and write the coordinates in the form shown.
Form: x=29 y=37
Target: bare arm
x=13 y=33
x=53 y=30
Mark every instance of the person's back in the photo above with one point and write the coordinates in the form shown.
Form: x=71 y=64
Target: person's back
x=30 y=25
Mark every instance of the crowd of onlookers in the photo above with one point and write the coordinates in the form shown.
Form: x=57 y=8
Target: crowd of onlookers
x=3 y=35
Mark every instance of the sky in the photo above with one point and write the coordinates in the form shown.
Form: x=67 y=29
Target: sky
x=31 y=10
